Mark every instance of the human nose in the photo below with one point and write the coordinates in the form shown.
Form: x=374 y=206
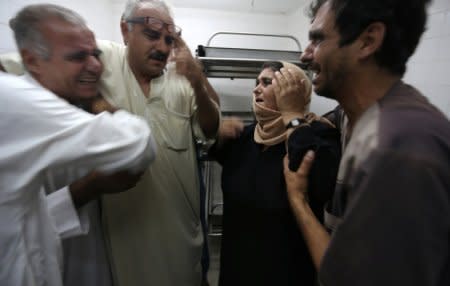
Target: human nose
x=163 y=46
x=306 y=56
x=94 y=64
x=257 y=89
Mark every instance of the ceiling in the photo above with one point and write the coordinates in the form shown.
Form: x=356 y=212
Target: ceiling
x=247 y=6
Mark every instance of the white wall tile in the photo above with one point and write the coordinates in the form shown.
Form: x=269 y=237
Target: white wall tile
x=7 y=44
x=439 y=5
x=426 y=73
x=6 y=11
x=198 y=28
x=443 y=48
x=414 y=72
x=436 y=94
x=428 y=68
x=440 y=73
x=90 y=10
x=439 y=97
x=435 y=25
x=446 y=28
x=299 y=25
x=426 y=51
x=116 y=13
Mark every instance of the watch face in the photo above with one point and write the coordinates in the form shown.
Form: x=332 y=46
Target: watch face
x=295 y=122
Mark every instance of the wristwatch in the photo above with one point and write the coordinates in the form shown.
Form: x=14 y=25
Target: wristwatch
x=295 y=122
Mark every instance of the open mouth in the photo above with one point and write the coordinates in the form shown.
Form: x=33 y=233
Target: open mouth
x=315 y=75
x=315 y=71
x=88 y=79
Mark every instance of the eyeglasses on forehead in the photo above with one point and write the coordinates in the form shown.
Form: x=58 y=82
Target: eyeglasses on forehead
x=155 y=24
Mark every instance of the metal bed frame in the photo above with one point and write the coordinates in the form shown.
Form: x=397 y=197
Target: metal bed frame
x=222 y=62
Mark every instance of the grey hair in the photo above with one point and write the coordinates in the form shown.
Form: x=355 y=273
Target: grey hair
x=26 y=26
x=133 y=5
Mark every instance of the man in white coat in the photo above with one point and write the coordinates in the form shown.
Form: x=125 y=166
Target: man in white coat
x=46 y=142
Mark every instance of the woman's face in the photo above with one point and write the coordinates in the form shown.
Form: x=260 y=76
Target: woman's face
x=263 y=92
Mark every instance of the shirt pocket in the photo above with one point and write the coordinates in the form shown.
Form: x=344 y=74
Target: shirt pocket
x=176 y=131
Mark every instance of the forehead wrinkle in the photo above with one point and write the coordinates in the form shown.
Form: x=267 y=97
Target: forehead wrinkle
x=146 y=10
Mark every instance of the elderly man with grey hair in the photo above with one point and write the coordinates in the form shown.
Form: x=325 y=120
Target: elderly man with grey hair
x=154 y=231
x=47 y=143
x=159 y=241
x=60 y=53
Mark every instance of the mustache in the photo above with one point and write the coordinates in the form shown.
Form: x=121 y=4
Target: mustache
x=309 y=66
x=305 y=65
x=159 y=56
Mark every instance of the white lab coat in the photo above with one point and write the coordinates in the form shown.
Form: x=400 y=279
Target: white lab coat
x=46 y=141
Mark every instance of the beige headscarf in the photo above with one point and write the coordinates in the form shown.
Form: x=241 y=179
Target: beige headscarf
x=270 y=129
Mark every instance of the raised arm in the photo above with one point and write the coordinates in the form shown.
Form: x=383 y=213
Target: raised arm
x=292 y=89
x=206 y=98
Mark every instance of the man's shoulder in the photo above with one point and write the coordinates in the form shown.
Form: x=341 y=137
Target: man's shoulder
x=405 y=102
x=23 y=93
x=407 y=118
x=9 y=82
x=111 y=51
x=109 y=45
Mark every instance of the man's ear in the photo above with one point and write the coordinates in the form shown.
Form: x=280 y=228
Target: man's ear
x=32 y=62
x=371 y=39
x=125 y=31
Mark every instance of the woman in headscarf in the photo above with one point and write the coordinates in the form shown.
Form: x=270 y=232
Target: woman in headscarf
x=261 y=242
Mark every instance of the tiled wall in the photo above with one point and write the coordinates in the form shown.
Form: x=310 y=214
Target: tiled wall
x=98 y=15
x=429 y=68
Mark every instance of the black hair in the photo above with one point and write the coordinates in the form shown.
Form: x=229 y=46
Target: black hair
x=274 y=66
x=404 y=20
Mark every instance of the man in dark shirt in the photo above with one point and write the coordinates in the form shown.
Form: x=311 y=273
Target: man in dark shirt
x=390 y=215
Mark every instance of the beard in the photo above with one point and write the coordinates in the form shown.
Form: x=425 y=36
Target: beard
x=325 y=91
x=334 y=77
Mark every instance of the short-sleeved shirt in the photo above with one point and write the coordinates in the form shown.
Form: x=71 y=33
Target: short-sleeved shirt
x=390 y=214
